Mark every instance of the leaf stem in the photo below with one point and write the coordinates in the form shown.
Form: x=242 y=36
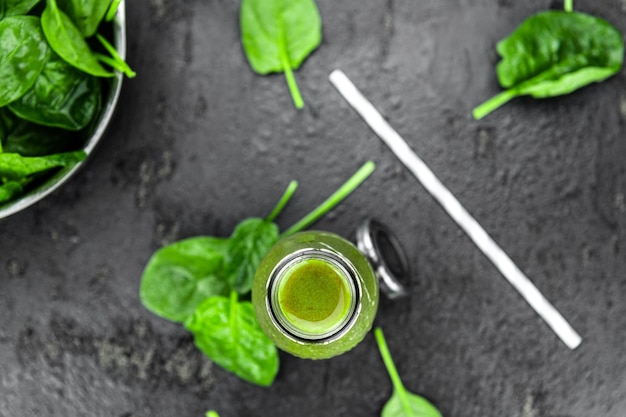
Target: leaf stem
x=110 y=62
x=398 y=386
x=568 y=6
x=493 y=103
x=112 y=10
x=291 y=188
x=291 y=80
x=111 y=49
x=233 y=314
x=343 y=192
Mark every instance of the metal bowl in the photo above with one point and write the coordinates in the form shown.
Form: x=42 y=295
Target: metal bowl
x=109 y=104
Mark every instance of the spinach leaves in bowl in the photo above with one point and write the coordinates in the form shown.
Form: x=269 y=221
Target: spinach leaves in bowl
x=62 y=67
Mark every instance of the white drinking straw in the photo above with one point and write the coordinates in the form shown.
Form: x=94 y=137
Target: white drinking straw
x=458 y=213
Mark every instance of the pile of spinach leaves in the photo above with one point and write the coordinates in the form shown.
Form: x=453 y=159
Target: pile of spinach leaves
x=204 y=283
x=554 y=53
x=50 y=87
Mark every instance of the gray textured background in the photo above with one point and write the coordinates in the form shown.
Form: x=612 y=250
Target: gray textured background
x=201 y=142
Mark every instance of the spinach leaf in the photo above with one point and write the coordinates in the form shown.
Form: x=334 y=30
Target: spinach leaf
x=277 y=35
x=550 y=46
x=24 y=52
x=29 y=139
x=10 y=190
x=226 y=330
x=249 y=242
x=15 y=166
x=86 y=14
x=16 y=7
x=402 y=402
x=554 y=53
x=419 y=406
x=62 y=96
x=67 y=41
x=180 y=276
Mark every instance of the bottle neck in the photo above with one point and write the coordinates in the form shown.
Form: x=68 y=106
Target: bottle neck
x=313 y=295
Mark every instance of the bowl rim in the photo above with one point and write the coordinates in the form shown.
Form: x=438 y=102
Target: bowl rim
x=61 y=177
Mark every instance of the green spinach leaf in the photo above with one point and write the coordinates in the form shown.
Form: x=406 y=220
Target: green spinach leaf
x=10 y=190
x=277 y=35
x=180 y=276
x=86 y=14
x=24 y=52
x=16 y=7
x=29 y=139
x=554 y=53
x=62 y=96
x=67 y=41
x=419 y=406
x=226 y=330
x=249 y=242
x=15 y=166
x=402 y=402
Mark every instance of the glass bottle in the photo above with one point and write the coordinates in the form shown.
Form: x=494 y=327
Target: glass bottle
x=315 y=294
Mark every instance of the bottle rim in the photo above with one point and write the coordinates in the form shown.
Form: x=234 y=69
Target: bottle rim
x=348 y=273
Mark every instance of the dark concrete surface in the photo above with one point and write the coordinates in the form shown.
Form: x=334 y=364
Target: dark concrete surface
x=201 y=142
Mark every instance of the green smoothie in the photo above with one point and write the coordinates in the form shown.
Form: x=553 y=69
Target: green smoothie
x=314 y=297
